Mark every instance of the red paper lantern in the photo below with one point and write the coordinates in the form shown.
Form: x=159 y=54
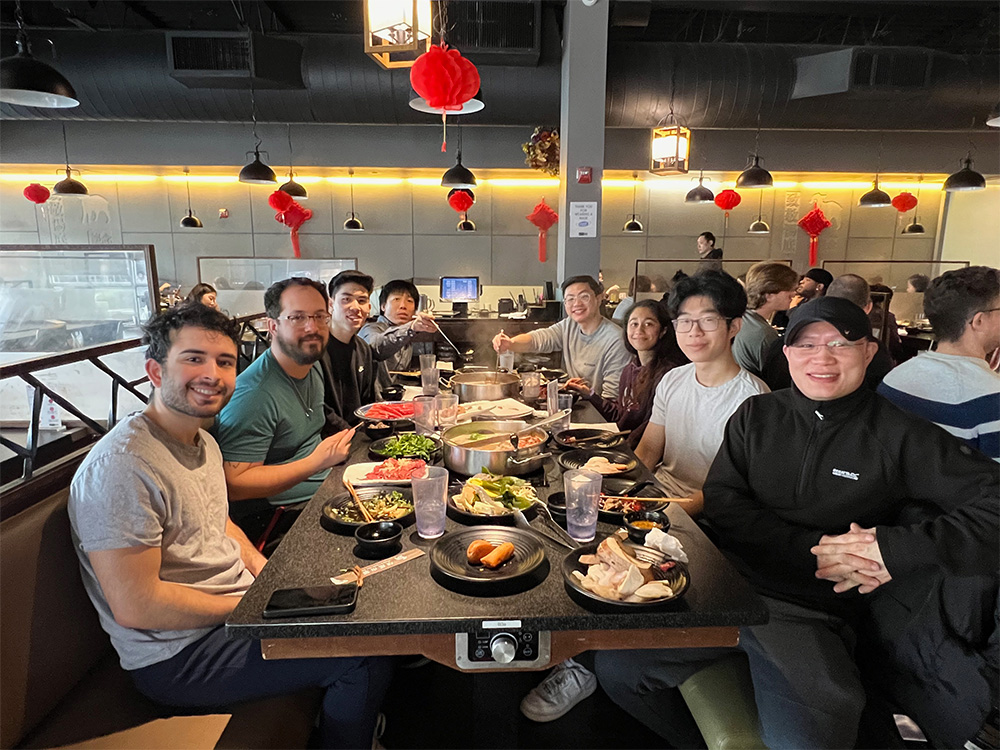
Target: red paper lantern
x=444 y=78
x=461 y=199
x=727 y=200
x=291 y=214
x=542 y=217
x=813 y=223
x=36 y=193
x=904 y=202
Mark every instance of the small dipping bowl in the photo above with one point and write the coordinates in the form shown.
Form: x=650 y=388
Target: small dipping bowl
x=392 y=393
x=379 y=538
x=640 y=523
x=377 y=433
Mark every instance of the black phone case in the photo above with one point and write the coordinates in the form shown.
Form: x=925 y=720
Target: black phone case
x=326 y=609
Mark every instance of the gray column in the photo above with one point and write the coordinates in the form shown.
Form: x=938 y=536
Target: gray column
x=581 y=132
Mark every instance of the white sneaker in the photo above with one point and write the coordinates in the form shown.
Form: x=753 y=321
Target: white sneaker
x=567 y=684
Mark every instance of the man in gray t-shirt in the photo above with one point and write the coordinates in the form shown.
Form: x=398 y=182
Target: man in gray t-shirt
x=592 y=347
x=163 y=564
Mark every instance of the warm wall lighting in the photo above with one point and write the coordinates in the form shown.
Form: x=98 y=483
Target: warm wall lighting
x=218 y=179
x=427 y=181
x=519 y=182
x=397 y=31
x=669 y=149
x=365 y=180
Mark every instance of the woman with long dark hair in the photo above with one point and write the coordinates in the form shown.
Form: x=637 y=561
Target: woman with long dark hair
x=650 y=339
x=204 y=294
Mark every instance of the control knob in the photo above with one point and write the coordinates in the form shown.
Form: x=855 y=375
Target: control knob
x=503 y=647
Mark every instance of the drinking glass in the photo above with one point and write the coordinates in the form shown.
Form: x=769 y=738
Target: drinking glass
x=552 y=397
x=429 y=379
x=424 y=415
x=447 y=410
x=430 y=492
x=583 y=493
x=531 y=386
x=507 y=361
x=564 y=401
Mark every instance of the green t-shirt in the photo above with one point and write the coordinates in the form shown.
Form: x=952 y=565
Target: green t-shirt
x=266 y=421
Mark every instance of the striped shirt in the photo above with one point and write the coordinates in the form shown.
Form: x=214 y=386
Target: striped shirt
x=961 y=394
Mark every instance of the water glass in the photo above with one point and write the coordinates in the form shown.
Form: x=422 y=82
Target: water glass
x=507 y=361
x=424 y=415
x=583 y=494
x=447 y=410
x=552 y=397
x=565 y=401
x=429 y=379
x=531 y=386
x=430 y=498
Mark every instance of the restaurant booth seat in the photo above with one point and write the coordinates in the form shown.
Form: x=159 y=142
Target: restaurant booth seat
x=60 y=679
x=720 y=698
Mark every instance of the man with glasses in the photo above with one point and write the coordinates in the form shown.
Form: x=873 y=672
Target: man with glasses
x=842 y=511
x=269 y=432
x=593 y=352
x=954 y=386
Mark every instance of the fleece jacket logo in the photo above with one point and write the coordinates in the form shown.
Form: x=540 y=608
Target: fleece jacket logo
x=845 y=474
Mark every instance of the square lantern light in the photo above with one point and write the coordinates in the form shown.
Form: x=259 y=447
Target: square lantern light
x=397 y=32
x=670 y=144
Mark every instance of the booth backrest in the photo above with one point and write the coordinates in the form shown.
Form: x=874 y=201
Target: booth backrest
x=49 y=632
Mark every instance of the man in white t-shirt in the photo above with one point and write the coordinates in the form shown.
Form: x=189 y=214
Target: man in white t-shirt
x=693 y=403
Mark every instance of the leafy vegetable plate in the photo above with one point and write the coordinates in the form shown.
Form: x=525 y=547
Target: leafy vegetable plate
x=491 y=498
x=341 y=515
x=406 y=445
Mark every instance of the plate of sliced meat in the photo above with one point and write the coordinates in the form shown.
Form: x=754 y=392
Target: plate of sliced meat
x=390 y=471
x=386 y=411
x=604 y=462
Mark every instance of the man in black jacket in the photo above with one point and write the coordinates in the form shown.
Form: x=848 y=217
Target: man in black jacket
x=820 y=483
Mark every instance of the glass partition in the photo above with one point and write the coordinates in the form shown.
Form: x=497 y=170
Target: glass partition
x=892 y=273
x=661 y=272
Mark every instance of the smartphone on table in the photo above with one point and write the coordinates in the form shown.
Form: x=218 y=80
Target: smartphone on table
x=324 y=599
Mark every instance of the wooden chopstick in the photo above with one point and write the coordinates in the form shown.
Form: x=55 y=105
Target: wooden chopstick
x=649 y=499
x=357 y=501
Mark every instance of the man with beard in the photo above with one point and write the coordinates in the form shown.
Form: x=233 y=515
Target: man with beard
x=348 y=371
x=270 y=430
x=814 y=283
x=163 y=564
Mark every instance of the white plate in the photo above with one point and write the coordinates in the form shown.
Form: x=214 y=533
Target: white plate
x=507 y=408
x=355 y=474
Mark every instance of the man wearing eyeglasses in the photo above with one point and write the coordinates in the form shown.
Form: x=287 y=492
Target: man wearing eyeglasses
x=593 y=352
x=269 y=432
x=844 y=513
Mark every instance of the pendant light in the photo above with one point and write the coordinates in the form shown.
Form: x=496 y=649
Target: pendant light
x=190 y=221
x=353 y=223
x=965 y=179
x=28 y=81
x=466 y=224
x=633 y=225
x=876 y=197
x=256 y=172
x=459 y=176
x=69 y=186
x=291 y=187
x=760 y=226
x=915 y=227
x=754 y=175
x=700 y=194
x=993 y=120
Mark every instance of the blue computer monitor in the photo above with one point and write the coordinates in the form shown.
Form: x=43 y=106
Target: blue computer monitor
x=459 y=288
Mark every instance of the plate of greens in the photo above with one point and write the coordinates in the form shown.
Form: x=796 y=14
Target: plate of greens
x=407 y=445
x=491 y=498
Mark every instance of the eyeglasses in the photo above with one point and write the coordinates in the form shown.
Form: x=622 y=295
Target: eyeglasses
x=584 y=298
x=836 y=347
x=984 y=312
x=298 y=321
x=707 y=324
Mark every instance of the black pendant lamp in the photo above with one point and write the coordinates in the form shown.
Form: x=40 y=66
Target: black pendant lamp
x=759 y=226
x=29 y=82
x=633 y=225
x=69 y=186
x=915 y=227
x=965 y=179
x=876 y=197
x=466 y=224
x=993 y=120
x=291 y=187
x=256 y=172
x=458 y=176
x=700 y=194
x=353 y=223
x=190 y=221
x=754 y=175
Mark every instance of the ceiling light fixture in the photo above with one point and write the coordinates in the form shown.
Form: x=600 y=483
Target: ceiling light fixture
x=190 y=221
x=69 y=186
x=965 y=179
x=397 y=32
x=29 y=82
x=256 y=172
x=670 y=142
x=700 y=194
x=759 y=226
x=633 y=225
x=915 y=227
x=458 y=176
x=353 y=223
x=876 y=197
x=994 y=117
x=466 y=224
x=291 y=187
x=754 y=175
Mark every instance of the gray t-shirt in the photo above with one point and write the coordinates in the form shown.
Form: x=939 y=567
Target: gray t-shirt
x=598 y=358
x=139 y=487
x=693 y=417
x=752 y=342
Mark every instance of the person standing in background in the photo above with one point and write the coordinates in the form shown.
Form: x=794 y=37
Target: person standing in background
x=706 y=247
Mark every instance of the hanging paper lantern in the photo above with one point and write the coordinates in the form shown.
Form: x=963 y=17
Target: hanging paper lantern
x=812 y=224
x=461 y=199
x=445 y=80
x=36 y=193
x=542 y=217
x=904 y=202
x=291 y=214
x=727 y=200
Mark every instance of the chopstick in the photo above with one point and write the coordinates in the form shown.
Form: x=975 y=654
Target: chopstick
x=596 y=438
x=649 y=499
x=357 y=501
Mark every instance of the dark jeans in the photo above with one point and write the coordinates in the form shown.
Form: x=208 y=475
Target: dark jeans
x=214 y=672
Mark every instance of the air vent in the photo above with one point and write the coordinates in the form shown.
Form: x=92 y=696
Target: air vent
x=895 y=69
x=223 y=61
x=496 y=32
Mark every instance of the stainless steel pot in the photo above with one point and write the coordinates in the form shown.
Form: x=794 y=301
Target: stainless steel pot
x=470 y=461
x=485 y=386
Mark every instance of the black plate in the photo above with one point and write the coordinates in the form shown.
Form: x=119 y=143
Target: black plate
x=587 y=432
x=376 y=448
x=336 y=524
x=577 y=458
x=592 y=601
x=450 y=567
x=474 y=519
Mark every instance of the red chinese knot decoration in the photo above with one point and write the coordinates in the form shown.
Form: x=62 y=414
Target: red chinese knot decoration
x=445 y=80
x=813 y=223
x=291 y=214
x=542 y=217
x=461 y=199
x=727 y=200
x=36 y=193
x=904 y=202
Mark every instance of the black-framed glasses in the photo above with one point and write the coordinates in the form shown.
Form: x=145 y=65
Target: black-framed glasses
x=834 y=347
x=298 y=320
x=707 y=324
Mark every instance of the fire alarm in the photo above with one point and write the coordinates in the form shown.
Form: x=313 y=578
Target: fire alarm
x=584 y=175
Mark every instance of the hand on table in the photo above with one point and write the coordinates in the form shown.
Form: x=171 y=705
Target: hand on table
x=501 y=342
x=579 y=385
x=334 y=449
x=851 y=559
x=424 y=323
